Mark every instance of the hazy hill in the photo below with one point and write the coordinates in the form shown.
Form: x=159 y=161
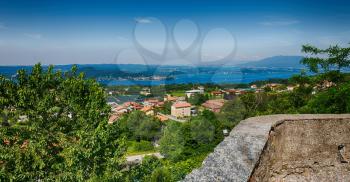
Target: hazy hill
x=276 y=61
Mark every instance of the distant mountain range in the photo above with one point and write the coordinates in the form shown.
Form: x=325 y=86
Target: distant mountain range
x=275 y=62
x=135 y=70
x=126 y=74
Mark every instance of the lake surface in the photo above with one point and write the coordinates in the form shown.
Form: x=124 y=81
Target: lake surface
x=113 y=75
x=235 y=75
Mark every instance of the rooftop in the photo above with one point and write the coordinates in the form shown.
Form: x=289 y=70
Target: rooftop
x=194 y=91
x=146 y=108
x=162 y=117
x=181 y=104
x=214 y=104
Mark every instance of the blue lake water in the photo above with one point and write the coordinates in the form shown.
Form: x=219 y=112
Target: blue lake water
x=110 y=74
x=218 y=78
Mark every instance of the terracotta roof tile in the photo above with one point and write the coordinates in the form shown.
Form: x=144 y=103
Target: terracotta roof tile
x=181 y=104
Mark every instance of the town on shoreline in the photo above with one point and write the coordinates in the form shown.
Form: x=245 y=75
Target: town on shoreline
x=181 y=104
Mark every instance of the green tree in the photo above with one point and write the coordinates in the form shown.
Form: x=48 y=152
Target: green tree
x=149 y=129
x=65 y=135
x=335 y=57
x=202 y=130
x=333 y=100
x=180 y=169
x=198 y=99
x=161 y=175
x=173 y=141
x=279 y=104
x=143 y=171
x=134 y=120
x=167 y=107
x=267 y=89
x=254 y=103
x=140 y=126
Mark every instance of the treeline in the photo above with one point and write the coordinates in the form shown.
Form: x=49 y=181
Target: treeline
x=327 y=91
x=160 y=90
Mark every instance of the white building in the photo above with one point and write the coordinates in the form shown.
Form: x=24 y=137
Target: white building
x=145 y=91
x=290 y=88
x=191 y=93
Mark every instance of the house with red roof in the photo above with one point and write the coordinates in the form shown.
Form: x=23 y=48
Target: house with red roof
x=214 y=105
x=217 y=94
x=113 y=118
x=150 y=102
x=120 y=109
x=148 y=110
x=162 y=118
x=181 y=109
x=170 y=98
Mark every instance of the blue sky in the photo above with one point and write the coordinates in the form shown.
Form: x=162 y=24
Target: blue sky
x=67 y=32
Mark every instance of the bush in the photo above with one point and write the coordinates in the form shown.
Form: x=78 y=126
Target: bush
x=180 y=169
x=139 y=126
x=143 y=171
x=160 y=175
x=334 y=100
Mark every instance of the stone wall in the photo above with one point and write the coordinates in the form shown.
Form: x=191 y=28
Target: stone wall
x=281 y=148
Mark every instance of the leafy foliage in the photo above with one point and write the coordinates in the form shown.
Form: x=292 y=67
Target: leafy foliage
x=173 y=141
x=143 y=171
x=334 y=100
x=335 y=57
x=198 y=99
x=231 y=113
x=138 y=126
x=65 y=135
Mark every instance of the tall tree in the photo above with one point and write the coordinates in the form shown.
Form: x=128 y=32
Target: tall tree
x=57 y=129
x=140 y=126
x=334 y=57
x=173 y=141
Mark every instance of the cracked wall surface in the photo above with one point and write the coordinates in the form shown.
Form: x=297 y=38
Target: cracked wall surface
x=281 y=148
x=306 y=150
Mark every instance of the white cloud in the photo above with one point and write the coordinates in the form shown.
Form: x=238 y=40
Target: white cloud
x=279 y=22
x=143 y=20
x=33 y=35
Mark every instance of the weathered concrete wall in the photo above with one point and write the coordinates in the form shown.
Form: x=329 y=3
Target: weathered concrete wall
x=306 y=150
x=235 y=158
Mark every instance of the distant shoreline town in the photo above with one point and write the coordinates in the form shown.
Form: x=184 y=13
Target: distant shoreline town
x=182 y=104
